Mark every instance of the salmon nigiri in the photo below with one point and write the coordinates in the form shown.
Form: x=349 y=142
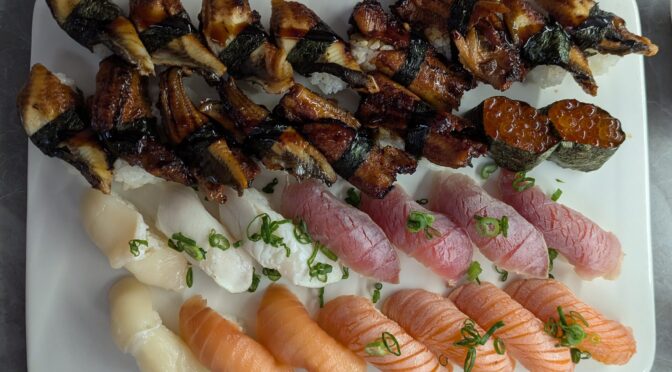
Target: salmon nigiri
x=522 y=333
x=436 y=322
x=607 y=341
x=286 y=329
x=355 y=322
x=220 y=344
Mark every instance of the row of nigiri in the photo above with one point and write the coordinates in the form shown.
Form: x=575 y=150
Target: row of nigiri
x=479 y=327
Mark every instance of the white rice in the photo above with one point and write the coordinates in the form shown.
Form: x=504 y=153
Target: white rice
x=601 y=63
x=328 y=83
x=66 y=80
x=440 y=41
x=546 y=76
x=132 y=177
x=364 y=51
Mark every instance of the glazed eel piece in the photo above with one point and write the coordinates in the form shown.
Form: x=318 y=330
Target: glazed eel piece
x=441 y=137
x=347 y=146
x=53 y=116
x=171 y=39
x=406 y=57
x=276 y=144
x=121 y=114
x=215 y=161
x=92 y=22
x=234 y=32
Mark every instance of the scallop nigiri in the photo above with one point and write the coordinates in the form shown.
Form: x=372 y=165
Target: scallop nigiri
x=522 y=333
x=442 y=246
x=220 y=344
x=286 y=329
x=608 y=341
x=356 y=323
x=437 y=323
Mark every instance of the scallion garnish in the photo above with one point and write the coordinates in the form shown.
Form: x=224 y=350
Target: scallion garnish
x=272 y=274
x=134 y=246
x=376 y=292
x=301 y=233
x=556 y=195
x=474 y=271
x=182 y=243
x=569 y=330
x=577 y=355
x=559 y=180
x=471 y=338
x=487 y=170
x=218 y=240
x=320 y=296
x=500 y=347
x=190 y=277
x=319 y=270
x=346 y=272
x=376 y=348
x=270 y=187
x=422 y=201
x=552 y=255
x=420 y=221
x=256 y=278
x=238 y=244
x=521 y=182
x=327 y=252
x=266 y=232
x=353 y=198
x=503 y=274
x=490 y=227
x=391 y=343
x=386 y=344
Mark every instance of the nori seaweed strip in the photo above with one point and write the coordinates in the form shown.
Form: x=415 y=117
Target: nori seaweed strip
x=312 y=46
x=418 y=128
x=127 y=138
x=50 y=136
x=158 y=35
x=196 y=144
x=460 y=14
x=551 y=46
x=354 y=156
x=237 y=53
x=415 y=56
x=599 y=26
x=264 y=136
x=88 y=21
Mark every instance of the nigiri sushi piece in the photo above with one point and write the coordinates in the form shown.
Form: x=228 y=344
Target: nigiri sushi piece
x=286 y=329
x=607 y=341
x=592 y=251
x=137 y=329
x=437 y=323
x=357 y=241
x=441 y=245
x=52 y=113
x=356 y=323
x=169 y=36
x=220 y=344
x=295 y=260
x=102 y=22
x=315 y=50
x=234 y=32
x=522 y=333
x=123 y=236
x=514 y=245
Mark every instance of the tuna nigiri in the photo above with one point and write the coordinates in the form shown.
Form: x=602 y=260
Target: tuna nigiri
x=607 y=341
x=522 y=333
x=593 y=251
x=436 y=322
x=356 y=323
x=349 y=232
x=220 y=344
x=286 y=329
x=444 y=247
x=518 y=247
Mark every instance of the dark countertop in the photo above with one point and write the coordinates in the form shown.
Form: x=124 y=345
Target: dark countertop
x=15 y=34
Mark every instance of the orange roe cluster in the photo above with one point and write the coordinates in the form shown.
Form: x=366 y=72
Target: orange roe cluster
x=585 y=124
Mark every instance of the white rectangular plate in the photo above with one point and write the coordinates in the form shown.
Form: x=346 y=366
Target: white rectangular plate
x=68 y=278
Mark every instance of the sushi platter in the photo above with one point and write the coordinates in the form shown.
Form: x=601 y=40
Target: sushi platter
x=338 y=185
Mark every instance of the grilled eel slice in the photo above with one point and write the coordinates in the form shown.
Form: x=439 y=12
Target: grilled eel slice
x=121 y=114
x=346 y=145
x=214 y=159
x=277 y=145
x=92 y=22
x=171 y=39
x=234 y=32
x=439 y=136
x=53 y=116
x=312 y=46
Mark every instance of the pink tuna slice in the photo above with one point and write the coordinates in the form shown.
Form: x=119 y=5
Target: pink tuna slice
x=593 y=251
x=347 y=231
x=523 y=250
x=448 y=253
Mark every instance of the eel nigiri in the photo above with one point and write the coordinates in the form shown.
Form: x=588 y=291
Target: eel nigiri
x=286 y=329
x=234 y=32
x=137 y=329
x=522 y=333
x=442 y=246
x=347 y=231
x=221 y=344
x=607 y=341
x=593 y=251
x=437 y=323
x=356 y=323
x=511 y=243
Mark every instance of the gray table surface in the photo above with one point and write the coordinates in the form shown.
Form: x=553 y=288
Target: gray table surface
x=15 y=35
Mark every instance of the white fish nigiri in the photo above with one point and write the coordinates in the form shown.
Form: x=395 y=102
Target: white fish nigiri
x=112 y=224
x=137 y=329
x=238 y=213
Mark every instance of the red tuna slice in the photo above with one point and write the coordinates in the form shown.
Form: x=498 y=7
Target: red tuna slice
x=523 y=250
x=348 y=232
x=447 y=252
x=593 y=251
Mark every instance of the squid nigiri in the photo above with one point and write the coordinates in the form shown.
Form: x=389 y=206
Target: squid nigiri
x=220 y=344
x=437 y=323
x=607 y=341
x=522 y=333
x=356 y=323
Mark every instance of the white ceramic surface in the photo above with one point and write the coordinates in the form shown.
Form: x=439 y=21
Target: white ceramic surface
x=68 y=278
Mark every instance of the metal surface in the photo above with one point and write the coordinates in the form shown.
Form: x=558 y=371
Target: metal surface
x=15 y=34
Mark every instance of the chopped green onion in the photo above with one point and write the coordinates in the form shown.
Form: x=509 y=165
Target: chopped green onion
x=490 y=332
x=270 y=188
x=353 y=198
x=134 y=246
x=190 y=277
x=556 y=195
x=422 y=201
x=182 y=243
x=474 y=271
x=577 y=355
x=487 y=170
x=391 y=343
x=272 y=274
x=386 y=344
x=376 y=348
x=218 y=240
x=471 y=338
x=319 y=270
x=256 y=278
x=320 y=296
x=500 y=347
x=522 y=182
x=376 y=292
x=346 y=272
x=594 y=338
x=571 y=333
x=266 y=232
x=503 y=274
x=327 y=252
x=420 y=221
x=559 y=180
x=470 y=360
x=552 y=255
x=301 y=233
x=504 y=226
x=490 y=227
x=238 y=244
